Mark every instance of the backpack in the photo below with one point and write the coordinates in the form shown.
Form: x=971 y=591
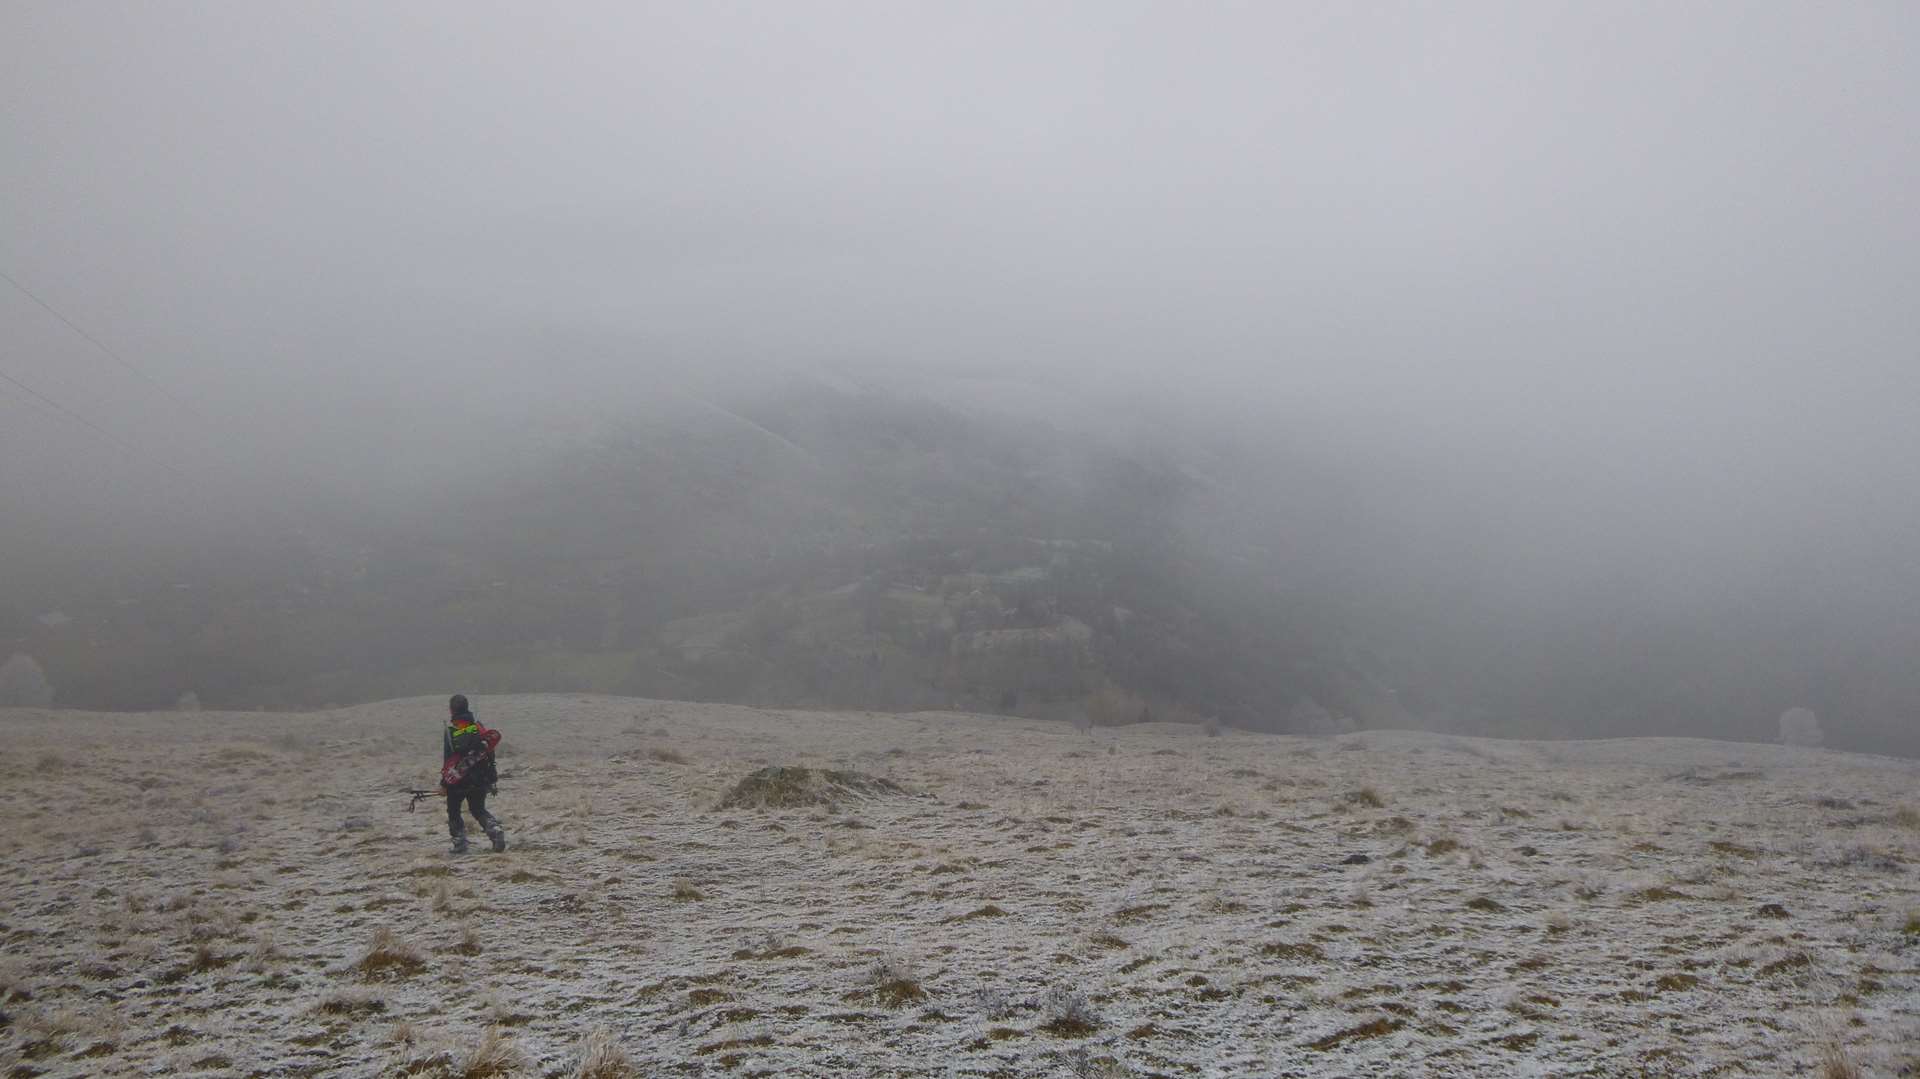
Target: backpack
x=476 y=759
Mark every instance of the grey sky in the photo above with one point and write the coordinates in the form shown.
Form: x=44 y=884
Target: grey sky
x=1568 y=351
x=1653 y=237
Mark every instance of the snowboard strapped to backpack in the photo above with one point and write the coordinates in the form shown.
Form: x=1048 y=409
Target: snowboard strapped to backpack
x=479 y=754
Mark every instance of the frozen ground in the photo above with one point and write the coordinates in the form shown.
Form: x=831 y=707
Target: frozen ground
x=188 y=894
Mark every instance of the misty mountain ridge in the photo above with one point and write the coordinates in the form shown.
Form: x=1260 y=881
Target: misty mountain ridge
x=614 y=539
x=883 y=542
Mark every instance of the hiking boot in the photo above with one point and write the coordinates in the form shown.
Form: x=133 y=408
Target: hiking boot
x=499 y=837
x=460 y=843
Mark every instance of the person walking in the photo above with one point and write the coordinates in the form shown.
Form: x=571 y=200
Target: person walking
x=467 y=774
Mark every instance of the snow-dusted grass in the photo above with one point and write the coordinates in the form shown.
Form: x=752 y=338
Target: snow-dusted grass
x=236 y=893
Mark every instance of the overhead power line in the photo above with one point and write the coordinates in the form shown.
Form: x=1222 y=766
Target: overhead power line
x=110 y=353
x=34 y=407
x=126 y=447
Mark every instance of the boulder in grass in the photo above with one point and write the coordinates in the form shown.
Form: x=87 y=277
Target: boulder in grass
x=780 y=788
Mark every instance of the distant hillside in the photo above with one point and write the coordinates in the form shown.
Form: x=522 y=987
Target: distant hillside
x=982 y=545
x=805 y=544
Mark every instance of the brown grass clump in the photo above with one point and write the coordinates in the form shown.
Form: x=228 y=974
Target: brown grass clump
x=1365 y=796
x=602 y=1058
x=1836 y=1063
x=685 y=892
x=423 y=1062
x=899 y=993
x=402 y=1033
x=894 y=983
x=779 y=788
x=1676 y=983
x=1485 y=905
x=351 y=1002
x=773 y=946
x=1084 y=1065
x=1907 y=817
x=1069 y=1014
x=1912 y=928
x=495 y=1056
x=1379 y=1028
x=732 y=1059
x=1790 y=962
x=205 y=958
x=988 y=911
x=388 y=957
x=1138 y=913
x=60 y=1023
x=665 y=755
x=264 y=953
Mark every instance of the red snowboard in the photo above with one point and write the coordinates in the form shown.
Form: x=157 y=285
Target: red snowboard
x=457 y=766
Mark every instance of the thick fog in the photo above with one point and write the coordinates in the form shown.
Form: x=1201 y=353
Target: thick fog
x=1498 y=332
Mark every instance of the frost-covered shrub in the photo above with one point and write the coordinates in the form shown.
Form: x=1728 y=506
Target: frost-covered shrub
x=994 y=1002
x=1083 y=1064
x=1589 y=886
x=1800 y=727
x=23 y=684
x=1068 y=1011
x=1859 y=856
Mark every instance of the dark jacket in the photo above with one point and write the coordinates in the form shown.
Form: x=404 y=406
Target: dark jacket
x=464 y=739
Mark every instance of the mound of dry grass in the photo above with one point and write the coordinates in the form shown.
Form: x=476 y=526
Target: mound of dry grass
x=494 y=1056
x=784 y=788
x=388 y=958
x=1837 y=1063
x=1069 y=1013
x=894 y=982
x=1378 y=1028
x=356 y=1003
x=602 y=1058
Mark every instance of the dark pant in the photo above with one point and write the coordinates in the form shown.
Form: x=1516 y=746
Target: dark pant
x=476 y=799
